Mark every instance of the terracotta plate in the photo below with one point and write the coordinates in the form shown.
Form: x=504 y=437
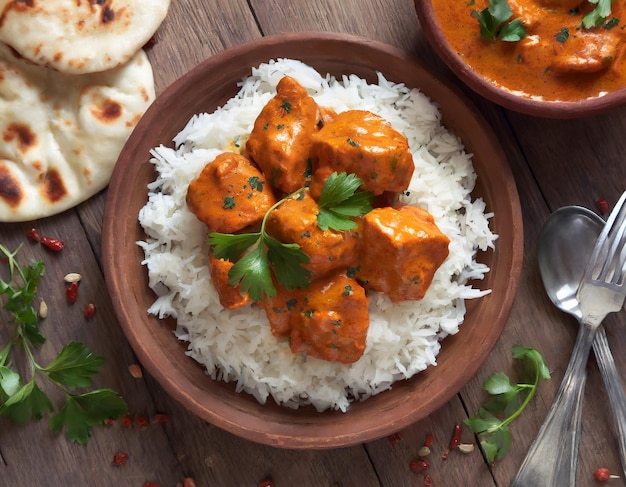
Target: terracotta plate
x=205 y=88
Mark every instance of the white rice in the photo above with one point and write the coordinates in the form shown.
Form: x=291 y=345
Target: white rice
x=237 y=345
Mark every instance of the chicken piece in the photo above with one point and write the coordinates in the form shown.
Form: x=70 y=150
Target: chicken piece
x=365 y=144
x=585 y=52
x=281 y=139
x=230 y=194
x=278 y=309
x=230 y=296
x=332 y=322
x=295 y=221
x=399 y=252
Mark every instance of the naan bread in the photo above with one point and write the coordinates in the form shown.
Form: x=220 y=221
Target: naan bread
x=62 y=134
x=79 y=36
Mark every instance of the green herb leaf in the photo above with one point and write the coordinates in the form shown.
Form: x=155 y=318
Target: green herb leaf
x=28 y=403
x=287 y=260
x=74 y=366
x=339 y=201
x=493 y=23
x=252 y=273
x=83 y=411
x=598 y=15
x=507 y=401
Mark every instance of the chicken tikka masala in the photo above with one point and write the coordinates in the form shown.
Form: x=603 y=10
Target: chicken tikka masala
x=292 y=150
x=554 y=50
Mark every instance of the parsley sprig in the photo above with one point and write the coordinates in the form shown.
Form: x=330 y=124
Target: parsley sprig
x=493 y=22
x=263 y=255
x=22 y=400
x=507 y=401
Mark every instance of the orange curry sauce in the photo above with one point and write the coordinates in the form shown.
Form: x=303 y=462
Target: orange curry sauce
x=557 y=60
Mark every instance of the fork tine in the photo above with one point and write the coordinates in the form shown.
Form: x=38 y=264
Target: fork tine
x=607 y=258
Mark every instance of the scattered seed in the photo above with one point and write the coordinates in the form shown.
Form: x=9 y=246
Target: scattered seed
x=135 y=371
x=445 y=454
x=603 y=205
x=141 y=421
x=43 y=309
x=120 y=458
x=150 y=484
x=72 y=292
x=466 y=447
x=161 y=418
x=395 y=438
x=189 y=482
x=423 y=452
x=419 y=465
x=456 y=436
x=33 y=234
x=428 y=441
x=266 y=483
x=72 y=277
x=428 y=481
x=90 y=311
x=127 y=421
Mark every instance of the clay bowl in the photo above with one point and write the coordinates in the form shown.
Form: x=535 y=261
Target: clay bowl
x=516 y=101
x=204 y=88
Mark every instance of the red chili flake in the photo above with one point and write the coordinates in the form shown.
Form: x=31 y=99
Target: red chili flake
x=127 y=421
x=419 y=465
x=189 y=482
x=603 y=205
x=90 y=311
x=602 y=474
x=266 y=483
x=150 y=484
x=456 y=436
x=110 y=421
x=120 y=458
x=71 y=292
x=395 y=438
x=444 y=455
x=141 y=421
x=161 y=418
x=428 y=481
x=151 y=42
x=52 y=243
x=428 y=441
x=33 y=234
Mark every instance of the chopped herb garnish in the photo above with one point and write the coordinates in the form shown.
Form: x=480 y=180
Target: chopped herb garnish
x=598 y=15
x=340 y=201
x=229 y=202
x=494 y=26
x=286 y=106
x=255 y=183
x=563 y=35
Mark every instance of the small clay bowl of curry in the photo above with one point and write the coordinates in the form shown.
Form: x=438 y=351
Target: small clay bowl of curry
x=548 y=58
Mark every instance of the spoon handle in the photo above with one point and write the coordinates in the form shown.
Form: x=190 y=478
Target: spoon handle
x=613 y=383
x=552 y=459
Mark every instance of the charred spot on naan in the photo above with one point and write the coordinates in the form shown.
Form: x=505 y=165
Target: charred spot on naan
x=10 y=188
x=106 y=110
x=21 y=134
x=53 y=189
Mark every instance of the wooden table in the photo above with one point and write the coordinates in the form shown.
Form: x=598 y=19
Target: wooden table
x=555 y=163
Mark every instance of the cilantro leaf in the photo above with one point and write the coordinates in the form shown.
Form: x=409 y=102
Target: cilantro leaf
x=598 y=15
x=83 y=411
x=339 y=201
x=74 y=366
x=508 y=401
x=287 y=260
x=230 y=247
x=9 y=383
x=493 y=23
x=252 y=273
x=28 y=402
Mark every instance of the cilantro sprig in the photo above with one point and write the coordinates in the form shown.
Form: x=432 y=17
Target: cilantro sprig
x=22 y=399
x=507 y=401
x=264 y=256
x=493 y=22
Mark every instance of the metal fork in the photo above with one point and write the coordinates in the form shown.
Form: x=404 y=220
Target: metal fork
x=552 y=459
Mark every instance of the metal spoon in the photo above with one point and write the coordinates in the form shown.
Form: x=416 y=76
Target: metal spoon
x=565 y=243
